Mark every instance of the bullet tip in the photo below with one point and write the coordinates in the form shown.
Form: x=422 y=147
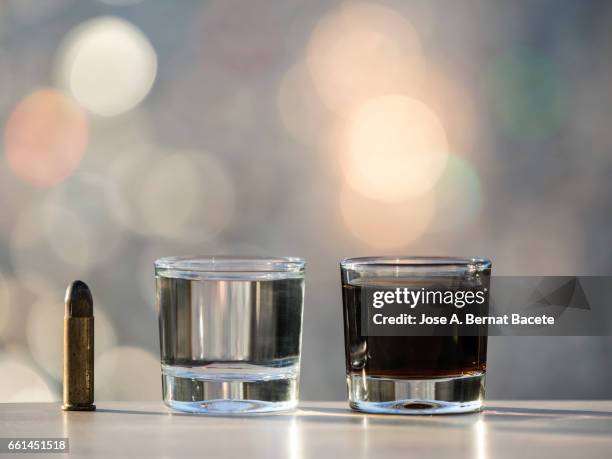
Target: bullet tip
x=79 y=302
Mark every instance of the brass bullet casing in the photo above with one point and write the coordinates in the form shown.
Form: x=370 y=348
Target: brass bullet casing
x=78 y=349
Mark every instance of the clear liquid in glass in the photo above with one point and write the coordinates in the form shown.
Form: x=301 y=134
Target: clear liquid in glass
x=230 y=344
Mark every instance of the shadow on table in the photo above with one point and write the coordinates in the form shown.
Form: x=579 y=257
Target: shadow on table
x=320 y=413
x=313 y=415
x=310 y=414
x=334 y=415
x=545 y=413
x=168 y=412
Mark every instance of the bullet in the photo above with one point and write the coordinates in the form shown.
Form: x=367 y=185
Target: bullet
x=78 y=349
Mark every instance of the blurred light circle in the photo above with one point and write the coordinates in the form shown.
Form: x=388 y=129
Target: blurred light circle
x=78 y=227
x=393 y=148
x=108 y=64
x=453 y=104
x=122 y=192
x=68 y=232
x=45 y=137
x=363 y=50
x=45 y=331
x=189 y=196
x=300 y=109
x=21 y=382
x=185 y=196
x=67 y=236
x=170 y=193
x=527 y=94
x=6 y=303
x=39 y=263
x=127 y=373
x=385 y=225
x=458 y=196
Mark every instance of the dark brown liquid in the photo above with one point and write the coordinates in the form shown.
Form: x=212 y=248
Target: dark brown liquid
x=408 y=357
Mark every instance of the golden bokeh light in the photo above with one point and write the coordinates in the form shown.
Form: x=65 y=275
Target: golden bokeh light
x=108 y=65
x=385 y=226
x=45 y=329
x=45 y=137
x=126 y=373
x=363 y=50
x=392 y=148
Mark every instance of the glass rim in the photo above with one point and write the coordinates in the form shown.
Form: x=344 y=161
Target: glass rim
x=231 y=264
x=416 y=262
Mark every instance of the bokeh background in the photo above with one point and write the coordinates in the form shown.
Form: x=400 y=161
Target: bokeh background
x=136 y=129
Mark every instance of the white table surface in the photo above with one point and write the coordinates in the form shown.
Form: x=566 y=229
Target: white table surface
x=533 y=429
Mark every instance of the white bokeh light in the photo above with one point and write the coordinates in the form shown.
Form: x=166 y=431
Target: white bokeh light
x=108 y=65
x=392 y=148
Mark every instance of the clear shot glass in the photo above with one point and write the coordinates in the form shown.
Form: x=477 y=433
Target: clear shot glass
x=413 y=374
x=230 y=333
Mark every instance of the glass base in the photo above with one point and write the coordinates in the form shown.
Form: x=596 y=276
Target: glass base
x=229 y=397
x=460 y=394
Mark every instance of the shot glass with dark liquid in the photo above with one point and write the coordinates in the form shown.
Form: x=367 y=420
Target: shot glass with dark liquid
x=407 y=374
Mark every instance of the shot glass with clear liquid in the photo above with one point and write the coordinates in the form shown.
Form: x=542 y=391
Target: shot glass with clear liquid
x=413 y=374
x=230 y=333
